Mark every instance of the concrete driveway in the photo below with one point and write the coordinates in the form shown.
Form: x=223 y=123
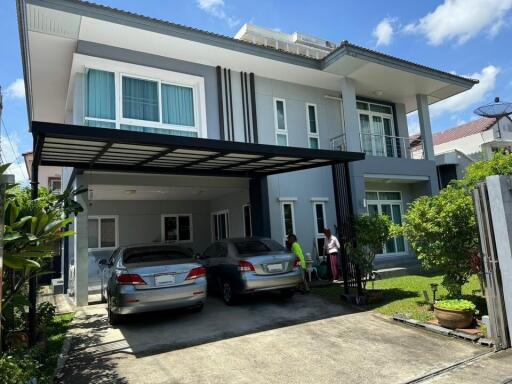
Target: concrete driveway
x=264 y=340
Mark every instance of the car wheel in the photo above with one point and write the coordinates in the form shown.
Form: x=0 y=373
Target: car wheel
x=228 y=296
x=113 y=318
x=287 y=293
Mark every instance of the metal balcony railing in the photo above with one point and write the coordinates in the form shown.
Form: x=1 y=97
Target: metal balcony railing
x=384 y=145
x=392 y=146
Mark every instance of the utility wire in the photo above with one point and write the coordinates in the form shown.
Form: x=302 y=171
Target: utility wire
x=14 y=152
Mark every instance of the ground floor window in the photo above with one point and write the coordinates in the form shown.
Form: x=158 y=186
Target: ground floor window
x=177 y=227
x=319 y=218
x=247 y=220
x=103 y=232
x=287 y=218
x=220 y=225
x=390 y=204
x=55 y=185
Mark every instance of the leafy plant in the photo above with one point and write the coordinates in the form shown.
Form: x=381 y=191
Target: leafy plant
x=456 y=305
x=16 y=369
x=371 y=232
x=442 y=231
x=45 y=314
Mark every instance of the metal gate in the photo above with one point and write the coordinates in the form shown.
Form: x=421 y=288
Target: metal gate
x=491 y=269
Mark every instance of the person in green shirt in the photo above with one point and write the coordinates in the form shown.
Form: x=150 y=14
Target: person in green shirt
x=297 y=250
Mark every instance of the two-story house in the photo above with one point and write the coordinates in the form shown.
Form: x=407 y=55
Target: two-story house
x=188 y=136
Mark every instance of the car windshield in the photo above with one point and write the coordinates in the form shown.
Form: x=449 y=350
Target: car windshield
x=155 y=254
x=247 y=247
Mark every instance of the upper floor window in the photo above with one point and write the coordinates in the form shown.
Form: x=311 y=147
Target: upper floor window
x=377 y=130
x=312 y=123
x=280 y=122
x=145 y=104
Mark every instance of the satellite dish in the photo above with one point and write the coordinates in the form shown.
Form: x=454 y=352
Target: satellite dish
x=497 y=109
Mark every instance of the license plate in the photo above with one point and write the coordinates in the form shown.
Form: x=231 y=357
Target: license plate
x=165 y=279
x=275 y=267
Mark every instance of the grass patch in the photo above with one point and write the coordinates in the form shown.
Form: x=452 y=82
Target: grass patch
x=51 y=348
x=404 y=295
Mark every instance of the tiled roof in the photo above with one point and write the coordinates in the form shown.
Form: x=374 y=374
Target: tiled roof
x=468 y=129
x=344 y=44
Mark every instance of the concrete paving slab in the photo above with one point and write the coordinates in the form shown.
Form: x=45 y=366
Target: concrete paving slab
x=490 y=369
x=305 y=340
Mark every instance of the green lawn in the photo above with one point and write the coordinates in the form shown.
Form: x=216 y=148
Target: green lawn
x=50 y=353
x=404 y=295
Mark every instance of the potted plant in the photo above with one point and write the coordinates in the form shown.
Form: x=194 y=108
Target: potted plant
x=457 y=313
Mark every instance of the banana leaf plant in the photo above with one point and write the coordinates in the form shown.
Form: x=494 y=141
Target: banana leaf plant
x=32 y=230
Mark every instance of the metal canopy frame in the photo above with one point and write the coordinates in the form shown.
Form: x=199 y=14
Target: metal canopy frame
x=92 y=148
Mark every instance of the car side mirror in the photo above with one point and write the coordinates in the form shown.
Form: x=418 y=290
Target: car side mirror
x=198 y=256
x=103 y=262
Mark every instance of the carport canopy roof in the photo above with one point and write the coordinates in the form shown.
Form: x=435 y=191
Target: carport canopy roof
x=91 y=148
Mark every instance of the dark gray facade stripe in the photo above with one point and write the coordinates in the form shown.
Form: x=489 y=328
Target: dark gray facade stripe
x=242 y=84
x=228 y=130
x=253 y=108
x=246 y=98
x=231 y=107
x=219 y=98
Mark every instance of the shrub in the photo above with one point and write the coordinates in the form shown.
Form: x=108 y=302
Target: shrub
x=16 y=369
x=442 y=231
x=371 y=232
x=456 y=305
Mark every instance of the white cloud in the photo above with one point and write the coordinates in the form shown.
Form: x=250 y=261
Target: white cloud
x=476 y=95
x=413 y=123
x=384 y=31
x=216 y=8
x=16 y=90
x=461 y=20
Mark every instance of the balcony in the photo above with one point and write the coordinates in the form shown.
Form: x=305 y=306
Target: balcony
x=384 y=146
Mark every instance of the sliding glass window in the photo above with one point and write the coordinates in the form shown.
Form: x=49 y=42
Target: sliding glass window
x=100 y=102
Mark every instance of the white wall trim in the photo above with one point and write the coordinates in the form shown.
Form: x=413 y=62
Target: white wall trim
x=396 y=177
x=292 y=199
x=319 y=199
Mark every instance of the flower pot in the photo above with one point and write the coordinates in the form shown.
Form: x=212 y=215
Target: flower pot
x=453 y=319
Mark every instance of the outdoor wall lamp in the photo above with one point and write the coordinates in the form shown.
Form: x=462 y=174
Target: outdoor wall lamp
x=433 y=287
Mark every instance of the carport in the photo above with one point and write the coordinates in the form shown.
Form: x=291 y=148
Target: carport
x=83 y=148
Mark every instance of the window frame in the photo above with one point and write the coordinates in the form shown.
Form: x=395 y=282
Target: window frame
x=283 y=221
x=250 y=219
x=161 y=76
x=315 y=218
x=51 y=180
x=116 y=230
x=213 y=218
x=373 y=137
x=312 y=135
x=176 y=215
x=276 y=125
x=379 y=202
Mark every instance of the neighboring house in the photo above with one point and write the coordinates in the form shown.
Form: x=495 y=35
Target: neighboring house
x=458 y=147
x=188 y=136
x=48 y=177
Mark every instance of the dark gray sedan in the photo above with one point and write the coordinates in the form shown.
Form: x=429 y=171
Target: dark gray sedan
x=143 y=278
x=240 y=266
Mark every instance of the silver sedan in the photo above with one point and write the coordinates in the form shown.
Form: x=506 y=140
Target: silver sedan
x=144 y=278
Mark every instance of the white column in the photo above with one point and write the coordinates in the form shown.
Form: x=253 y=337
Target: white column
x=425 y=129
x=350 y=116
x=81 y=244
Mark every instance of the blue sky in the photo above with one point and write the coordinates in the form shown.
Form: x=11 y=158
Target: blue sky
x=467 y=37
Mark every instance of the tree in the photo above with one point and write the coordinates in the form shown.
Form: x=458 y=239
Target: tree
x=442 y=229
x=371 y=232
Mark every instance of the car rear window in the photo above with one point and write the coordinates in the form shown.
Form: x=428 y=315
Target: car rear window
x=155 y=254
x=247 y=247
